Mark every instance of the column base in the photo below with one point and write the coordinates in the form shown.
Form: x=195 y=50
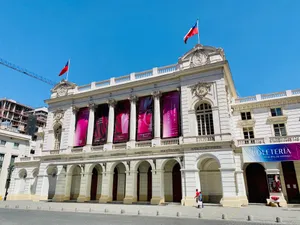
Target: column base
x=20 y=197
x=244 y=200
x=188 y=201
x=87 y=148
x=82 y=198
x=129 y=200
x=66 y=198
x=157 y=200
x=231 y=202
x=58 y=198
x=105 y=199
x=107 y=146
x=39 y=198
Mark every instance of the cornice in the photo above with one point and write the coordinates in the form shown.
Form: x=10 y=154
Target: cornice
x=266 y=103
x=141 y=82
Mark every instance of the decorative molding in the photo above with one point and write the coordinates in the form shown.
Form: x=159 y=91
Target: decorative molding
x=201 y=89
x=75 y=109
x=92 y=105
x=276 y=119
x=246 y=123
x=133 y=98
x=112 y=102
x=58 y=115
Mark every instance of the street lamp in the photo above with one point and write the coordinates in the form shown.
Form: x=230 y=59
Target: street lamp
x=9 y=169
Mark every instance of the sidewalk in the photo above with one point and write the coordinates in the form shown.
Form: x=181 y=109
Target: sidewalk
x=259 y=213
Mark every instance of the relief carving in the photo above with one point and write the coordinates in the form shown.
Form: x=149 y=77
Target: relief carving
x=201 y=89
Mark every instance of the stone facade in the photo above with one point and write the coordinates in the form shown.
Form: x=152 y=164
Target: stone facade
x=206 y=155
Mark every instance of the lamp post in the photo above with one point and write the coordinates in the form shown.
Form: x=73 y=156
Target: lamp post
x=9 y=169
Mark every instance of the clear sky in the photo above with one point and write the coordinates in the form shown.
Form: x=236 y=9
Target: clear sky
x=107 y=39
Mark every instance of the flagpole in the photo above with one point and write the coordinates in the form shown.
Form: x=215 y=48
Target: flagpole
x=198 y=31
x=69 y=69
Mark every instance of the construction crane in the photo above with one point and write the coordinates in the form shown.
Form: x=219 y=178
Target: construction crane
x=26 y=72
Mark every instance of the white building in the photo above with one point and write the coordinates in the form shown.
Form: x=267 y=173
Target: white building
x=157 y=135
x=12 y=145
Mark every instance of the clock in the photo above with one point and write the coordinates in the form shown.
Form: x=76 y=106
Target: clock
x=199 y=59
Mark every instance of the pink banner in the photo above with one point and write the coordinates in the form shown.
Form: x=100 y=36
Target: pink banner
x=145 y=115
x=170 y=114
x=101 y=125
x=82 y=121
x=122 y=112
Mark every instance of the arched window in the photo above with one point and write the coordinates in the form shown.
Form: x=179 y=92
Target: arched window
x=205 y=119
x=57 y=136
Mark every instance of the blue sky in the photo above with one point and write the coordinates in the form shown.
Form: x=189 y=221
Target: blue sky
x=107 y=39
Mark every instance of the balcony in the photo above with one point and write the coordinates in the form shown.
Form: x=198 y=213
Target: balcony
x=77 y=150
x=143 y=144
x=206 y=138
x=171 y=141
x=251 y=141
x=119 y=146
x=292 y=138
x=97 y=148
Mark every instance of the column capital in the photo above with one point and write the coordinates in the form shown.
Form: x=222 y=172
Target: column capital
x=92 y=105
x=112 y=102
x=156 y=94
x=75 y=108
x=133 y=98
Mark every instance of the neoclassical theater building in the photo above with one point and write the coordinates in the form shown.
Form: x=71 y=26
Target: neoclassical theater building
x=158 y=135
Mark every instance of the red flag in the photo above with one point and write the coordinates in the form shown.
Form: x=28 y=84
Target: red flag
x=193 y=31
x=65 y=69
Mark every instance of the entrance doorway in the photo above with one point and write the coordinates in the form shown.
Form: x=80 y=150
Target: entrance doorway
x=257 y=183
x=94 y=184
x=176 y=178
x=290 y=180
x=119 y=183
x=144 y=182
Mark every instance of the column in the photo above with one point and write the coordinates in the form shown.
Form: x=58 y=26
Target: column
x=230 y=198
x=156 y=95
x=42 y=188
x=158 y=194
x=85 y=187
x=72 y=128
x=133 y=99
x=60 y=184
x=190 y=182
x=241 y=190
x=111 y=121
x=272 y=169
x=107 y=182
x=90 y=132
x=131 y=185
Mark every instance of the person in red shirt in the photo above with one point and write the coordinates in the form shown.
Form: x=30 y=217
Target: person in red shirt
x=197 y=197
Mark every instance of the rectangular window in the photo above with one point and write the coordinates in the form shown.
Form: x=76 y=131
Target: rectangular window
x=16 y=145
x=279 y=130
x=246 y=115
x=248 y=134
x=276 y=112
x=1 y=159
x=2 y=142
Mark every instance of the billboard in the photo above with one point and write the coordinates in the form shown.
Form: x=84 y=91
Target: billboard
x=145 y=118
x=82 y=121
x=101 y=125
x=272 y=152
x=170 y=114
x=122 y=113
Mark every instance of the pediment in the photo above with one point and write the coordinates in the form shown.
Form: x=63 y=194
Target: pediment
x=201 y=55
x=62 y=88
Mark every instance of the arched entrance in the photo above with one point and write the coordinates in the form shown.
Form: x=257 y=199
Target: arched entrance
x=144 y=182
x=119 y=182
x=210 y=180
x=52 y=178
x=96 y=182
x=257 y=185
x=75 y=184
x=172 y=181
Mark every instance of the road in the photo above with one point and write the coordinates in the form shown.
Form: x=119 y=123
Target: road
x=31 y=217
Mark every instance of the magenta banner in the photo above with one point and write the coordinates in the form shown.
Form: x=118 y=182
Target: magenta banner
x=82 y=121
x=145 y=115
x=170 y=114
x=101 y=125
x=122 y=112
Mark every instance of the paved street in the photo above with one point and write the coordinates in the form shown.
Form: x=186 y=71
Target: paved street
x=23 y=217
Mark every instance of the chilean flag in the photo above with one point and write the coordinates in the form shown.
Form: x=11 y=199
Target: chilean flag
x=193 y=31
x=65 y=69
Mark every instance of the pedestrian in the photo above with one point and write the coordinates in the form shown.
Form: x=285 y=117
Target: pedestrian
x=201 y=200
x=197 y=197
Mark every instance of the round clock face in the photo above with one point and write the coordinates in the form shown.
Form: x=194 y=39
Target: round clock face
x=62 y=91
x=199 y=59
